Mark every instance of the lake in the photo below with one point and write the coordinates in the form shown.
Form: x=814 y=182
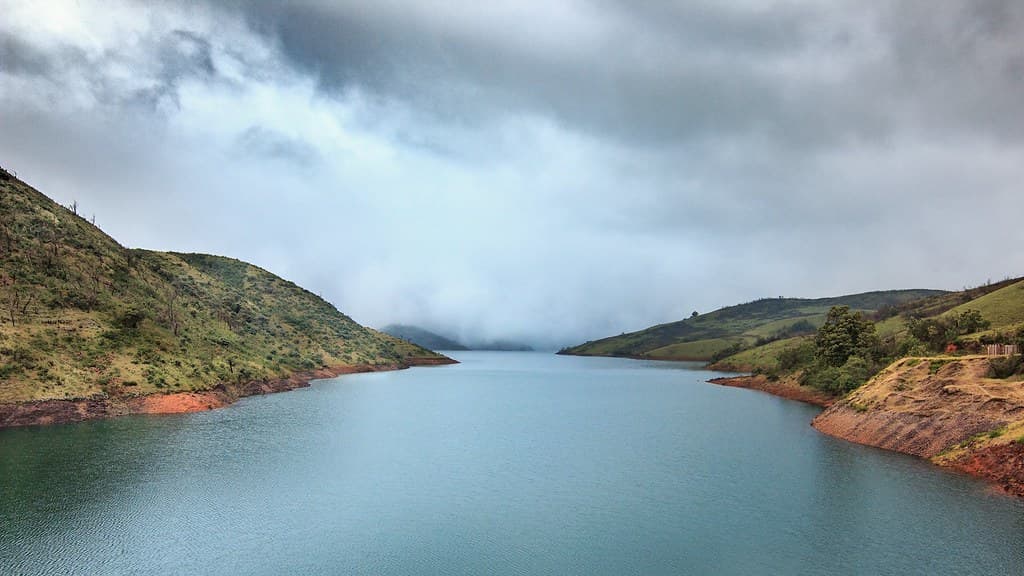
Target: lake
x=509 y=463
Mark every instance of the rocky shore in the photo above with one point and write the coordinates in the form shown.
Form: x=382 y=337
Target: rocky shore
x=946 y=410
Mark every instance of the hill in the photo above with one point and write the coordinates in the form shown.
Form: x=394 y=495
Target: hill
x=1001 y=304
x=86 y=319
x=422 y=337
x=707 y=336
x=434 y=341
x=501 y=346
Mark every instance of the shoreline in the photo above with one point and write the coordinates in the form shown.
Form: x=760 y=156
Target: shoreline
x=61 y=411
x=786 y=388
x=1002 y=465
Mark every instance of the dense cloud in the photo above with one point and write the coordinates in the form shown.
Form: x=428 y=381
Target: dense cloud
x=547 y=171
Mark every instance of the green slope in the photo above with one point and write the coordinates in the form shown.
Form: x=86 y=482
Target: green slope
x=1004 y=307
x=891 y=320
x=84 y=317
x=1002 y=304
x=704 y=336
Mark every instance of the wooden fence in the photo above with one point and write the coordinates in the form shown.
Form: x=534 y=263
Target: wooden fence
x=1002 y=349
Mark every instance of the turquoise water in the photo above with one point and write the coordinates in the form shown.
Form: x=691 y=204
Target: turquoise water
x=510 y=463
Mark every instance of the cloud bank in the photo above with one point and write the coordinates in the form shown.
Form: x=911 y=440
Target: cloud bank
x=544 y=171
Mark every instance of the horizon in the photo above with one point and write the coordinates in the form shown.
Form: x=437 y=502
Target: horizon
x=613 y=167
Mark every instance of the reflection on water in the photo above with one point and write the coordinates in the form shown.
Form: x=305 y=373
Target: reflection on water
x=510 y=463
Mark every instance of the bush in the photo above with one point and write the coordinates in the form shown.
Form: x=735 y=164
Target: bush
x=1005 y=367
x=839 y=380
x=724 y=353
x=912 y=347
x=938 y=332
x=131 y=318
x=796 y=357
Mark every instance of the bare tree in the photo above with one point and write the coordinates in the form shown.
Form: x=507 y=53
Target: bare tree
x=17 y=302
x=5 y=239
x=171 y=316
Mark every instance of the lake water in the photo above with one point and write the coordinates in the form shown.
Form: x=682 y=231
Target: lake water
x=510 y=463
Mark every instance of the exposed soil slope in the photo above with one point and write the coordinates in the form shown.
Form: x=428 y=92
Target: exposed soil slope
x=944 y=409
x=786 y=387
x=43 y=412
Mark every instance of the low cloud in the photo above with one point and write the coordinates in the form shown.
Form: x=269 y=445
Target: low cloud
x=536 y=171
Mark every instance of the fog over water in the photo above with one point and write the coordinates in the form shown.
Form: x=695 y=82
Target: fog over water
x=543 y=171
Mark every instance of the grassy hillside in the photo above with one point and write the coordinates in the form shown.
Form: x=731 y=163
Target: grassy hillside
x=84 y=317
x=706 y=336
x=891 y=320
x=1001 y=304
x=1004 y=307
x=422 y=337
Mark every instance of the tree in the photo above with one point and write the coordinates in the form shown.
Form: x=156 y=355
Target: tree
x=843 y=335
x=18 y=300
x=970 y=321
x=938 y=333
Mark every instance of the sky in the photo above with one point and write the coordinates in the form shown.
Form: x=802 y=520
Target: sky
x=545 y=171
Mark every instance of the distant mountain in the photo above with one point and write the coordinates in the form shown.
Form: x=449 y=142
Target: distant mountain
x=502 y=345
x=422 y=337
x=705 y=336
x=434 y=341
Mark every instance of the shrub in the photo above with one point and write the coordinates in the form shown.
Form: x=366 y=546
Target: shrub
x=997 y=432
x=796 y=357
x=724 y=353
x=1005 y=367
x=839 y=380
x=938 y=332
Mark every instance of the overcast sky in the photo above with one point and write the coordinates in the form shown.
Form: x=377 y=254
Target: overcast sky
x=540 y=170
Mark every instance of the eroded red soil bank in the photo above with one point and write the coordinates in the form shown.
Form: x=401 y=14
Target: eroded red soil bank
x=44 y=412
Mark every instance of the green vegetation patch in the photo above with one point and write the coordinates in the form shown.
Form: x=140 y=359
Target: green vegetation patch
x=1001 y=308
x=85 y=317
x=1004 y=367
x=696 y=350
x=753 y=324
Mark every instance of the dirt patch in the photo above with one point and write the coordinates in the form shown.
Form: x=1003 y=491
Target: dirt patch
x=45 y=412
x=431 y=361
x=1003 y=465
x=926 y=433
x=784 y=387
x=946 y=409
x=178 y=403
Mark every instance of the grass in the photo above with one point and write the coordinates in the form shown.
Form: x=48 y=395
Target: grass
x=696 y=350
x=1004 y=308
x=94 y=318
x=762 y=358
x=1001 y=304
x=698 y=338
